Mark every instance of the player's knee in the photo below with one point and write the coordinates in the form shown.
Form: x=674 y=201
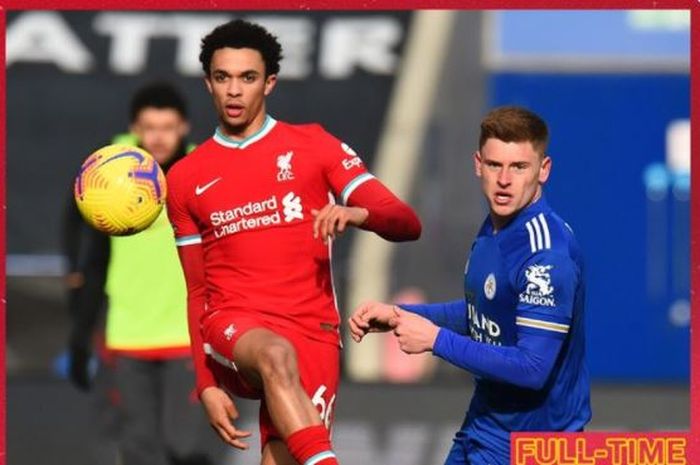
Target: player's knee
x=277 y=364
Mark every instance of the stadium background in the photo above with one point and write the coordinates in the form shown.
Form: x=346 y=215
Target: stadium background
x=406 y=91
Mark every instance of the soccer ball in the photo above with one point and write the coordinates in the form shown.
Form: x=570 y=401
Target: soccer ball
x=120 y=190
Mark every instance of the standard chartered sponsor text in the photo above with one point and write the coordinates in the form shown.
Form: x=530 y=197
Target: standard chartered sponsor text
x=239 y=218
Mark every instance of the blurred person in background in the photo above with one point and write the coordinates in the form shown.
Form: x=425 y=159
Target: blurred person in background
x=159 y=419
x=520 y=328
x=254 y=216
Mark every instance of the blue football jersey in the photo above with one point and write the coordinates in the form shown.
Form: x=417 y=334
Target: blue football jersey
x=520 y=331
x=527 y=278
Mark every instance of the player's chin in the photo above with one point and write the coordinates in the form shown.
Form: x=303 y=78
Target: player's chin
x=234 y=125
x=502 y=209
x=234 y=122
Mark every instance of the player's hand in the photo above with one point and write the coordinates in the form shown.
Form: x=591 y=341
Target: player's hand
x=371 y=317
x=333 y=219
x=221 y=411
x=414 y=333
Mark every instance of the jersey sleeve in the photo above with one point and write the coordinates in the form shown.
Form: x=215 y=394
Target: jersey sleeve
x=342 y=166
x=451 y=315
x=184 y=226
x=546 y=286
x=528 y=364
x=349 y=179
x=192 y=259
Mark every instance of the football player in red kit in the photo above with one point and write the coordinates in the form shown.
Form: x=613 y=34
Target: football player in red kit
x=254 y=214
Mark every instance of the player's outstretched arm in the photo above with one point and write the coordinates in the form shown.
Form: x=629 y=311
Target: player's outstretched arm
x=221 y=411
x=527 y=364
x=388 y=216
x=371 y=317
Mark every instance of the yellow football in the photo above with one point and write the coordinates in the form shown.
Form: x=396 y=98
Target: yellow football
x=120 y=190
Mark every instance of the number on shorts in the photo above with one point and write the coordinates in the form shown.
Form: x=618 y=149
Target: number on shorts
x=326 y=408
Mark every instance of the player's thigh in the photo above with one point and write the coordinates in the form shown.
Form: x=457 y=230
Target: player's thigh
x=275 y=452
x=242 y=344
x=319 y=373
x=262 y=352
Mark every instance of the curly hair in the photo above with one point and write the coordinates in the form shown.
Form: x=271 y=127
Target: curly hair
x=242 y=34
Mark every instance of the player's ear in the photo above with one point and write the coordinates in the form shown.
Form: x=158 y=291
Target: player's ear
x=477 y=163
x=207 y=81
x=545 y=169
x=270 y=82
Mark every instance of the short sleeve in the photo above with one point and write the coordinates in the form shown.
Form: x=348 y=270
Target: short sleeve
x=546 y=286
x=342 y=166
x=184 y=226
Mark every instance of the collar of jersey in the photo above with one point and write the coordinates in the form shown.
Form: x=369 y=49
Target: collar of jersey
x=537 y=207
x=267 y=126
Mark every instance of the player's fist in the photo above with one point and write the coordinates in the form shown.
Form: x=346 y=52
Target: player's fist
x=414 y=333
x=332 y=219
x=221 y=411
x=371 y=317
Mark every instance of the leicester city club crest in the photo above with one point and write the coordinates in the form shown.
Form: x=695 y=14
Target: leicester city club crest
x=490 y=286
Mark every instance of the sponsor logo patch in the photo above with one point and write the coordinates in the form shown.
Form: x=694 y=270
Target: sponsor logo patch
x=292 y=207
x=539 y=289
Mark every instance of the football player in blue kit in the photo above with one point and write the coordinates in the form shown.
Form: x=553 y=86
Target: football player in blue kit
x=520 y=327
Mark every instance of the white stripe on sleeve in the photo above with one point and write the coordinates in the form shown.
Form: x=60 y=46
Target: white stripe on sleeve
x=545 y=230
x=532 y=237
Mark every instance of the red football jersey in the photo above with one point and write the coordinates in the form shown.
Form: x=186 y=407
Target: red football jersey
x=249 y=204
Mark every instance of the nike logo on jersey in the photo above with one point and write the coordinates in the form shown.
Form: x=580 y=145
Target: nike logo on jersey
x=199 y=190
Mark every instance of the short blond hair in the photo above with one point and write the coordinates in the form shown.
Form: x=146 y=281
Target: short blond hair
x=515 y=124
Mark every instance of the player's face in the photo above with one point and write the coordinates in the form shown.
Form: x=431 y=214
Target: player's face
x=512 y=175
x=238 y=86
x=160 y=131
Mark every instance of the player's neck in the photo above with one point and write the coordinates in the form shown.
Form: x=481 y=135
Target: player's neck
x=242 y=132
x=500 y=222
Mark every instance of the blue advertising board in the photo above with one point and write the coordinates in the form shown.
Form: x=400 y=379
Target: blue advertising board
x=628 y=208
x=614 y=38
x=620 y=137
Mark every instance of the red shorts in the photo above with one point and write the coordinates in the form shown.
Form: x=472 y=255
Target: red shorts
x=318 y=364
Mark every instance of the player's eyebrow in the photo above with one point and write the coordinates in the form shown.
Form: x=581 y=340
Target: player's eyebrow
x=249 y=72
